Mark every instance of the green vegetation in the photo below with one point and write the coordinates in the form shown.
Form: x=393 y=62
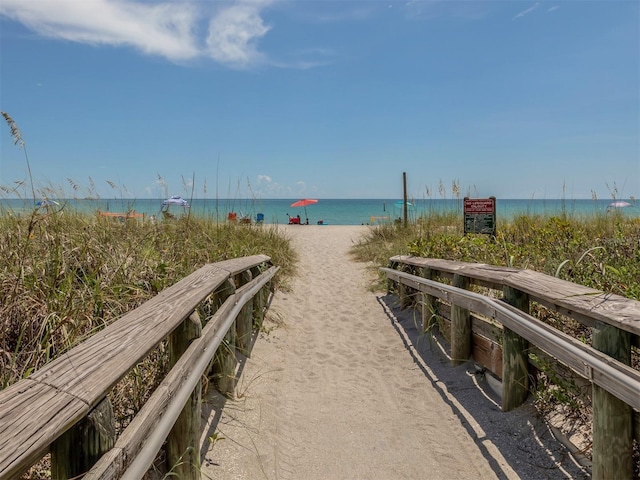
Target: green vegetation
x=602 y=252
x=66 y=275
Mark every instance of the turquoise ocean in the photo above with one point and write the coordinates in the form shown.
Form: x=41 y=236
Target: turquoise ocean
x=329 y=211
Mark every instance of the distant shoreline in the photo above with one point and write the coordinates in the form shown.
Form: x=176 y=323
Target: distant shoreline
x=330 y=211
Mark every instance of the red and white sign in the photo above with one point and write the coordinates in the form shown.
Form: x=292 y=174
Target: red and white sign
x=479 y=205
x=480 y=215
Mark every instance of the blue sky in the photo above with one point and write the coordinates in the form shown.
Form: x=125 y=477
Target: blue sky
x=325 y=99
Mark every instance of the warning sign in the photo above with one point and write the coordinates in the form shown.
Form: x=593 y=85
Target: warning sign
x=480 y=215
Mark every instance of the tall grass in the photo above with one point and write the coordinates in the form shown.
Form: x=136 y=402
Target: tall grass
x=65 y=275
x=600 y=251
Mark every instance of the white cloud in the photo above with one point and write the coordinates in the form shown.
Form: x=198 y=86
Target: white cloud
x=160 y=29
x=528 y=10
x=233 y=33
x=264 y=178
x=172 y=29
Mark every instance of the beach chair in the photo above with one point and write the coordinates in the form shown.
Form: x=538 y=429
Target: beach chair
x=260 y=218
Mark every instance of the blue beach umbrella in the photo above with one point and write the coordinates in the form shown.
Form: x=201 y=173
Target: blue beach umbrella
x=175 y=200
x=46 y=203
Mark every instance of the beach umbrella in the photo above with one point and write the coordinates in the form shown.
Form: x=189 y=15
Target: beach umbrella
x=46 y=203
x=618 y=204
x=303 y=203
x=175 y=200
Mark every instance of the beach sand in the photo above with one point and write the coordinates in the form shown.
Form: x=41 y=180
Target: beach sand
x=340 y=385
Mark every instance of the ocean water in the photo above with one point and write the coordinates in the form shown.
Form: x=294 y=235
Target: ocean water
x=329 y=211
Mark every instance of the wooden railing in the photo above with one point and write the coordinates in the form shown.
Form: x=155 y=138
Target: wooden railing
x=62 y=407
x=500 y=334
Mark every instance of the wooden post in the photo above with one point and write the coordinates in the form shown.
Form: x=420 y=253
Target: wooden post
x=80 y=447
x=225 y=365
x=404 y=197
x=391 y=286
x=406 y=298
x=183 y=441
x=259 y=301
x=612 y=418
x=429 y=304
x=460 y=326
x=224 y=361
x=244 y=324
x=403 y=295
x=515 y=360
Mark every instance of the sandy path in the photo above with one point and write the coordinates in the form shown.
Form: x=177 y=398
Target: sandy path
x=333 y=391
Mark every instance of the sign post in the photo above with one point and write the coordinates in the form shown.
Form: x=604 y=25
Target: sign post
x=480 y=215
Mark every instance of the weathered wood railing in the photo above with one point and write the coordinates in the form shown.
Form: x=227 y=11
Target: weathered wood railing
x=50 y=410
x=500 y=334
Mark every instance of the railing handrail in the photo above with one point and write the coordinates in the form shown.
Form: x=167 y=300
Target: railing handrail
x=584 y=304
x=612 y=375
x=194 y=362
x=63 y=392
x=614 y=323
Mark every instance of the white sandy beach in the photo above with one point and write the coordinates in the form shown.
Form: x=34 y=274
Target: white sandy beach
x=338 y=387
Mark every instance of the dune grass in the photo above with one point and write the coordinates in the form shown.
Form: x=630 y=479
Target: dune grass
x=66 y=274
x=600 y=251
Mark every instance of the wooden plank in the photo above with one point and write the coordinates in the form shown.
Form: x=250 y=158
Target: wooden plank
x=193 y=364
x=584 y=304
x=490 y=276
x=488 y=354
x=619 y=379
x=91 y=369
x=238 y=265
x=36 y=411
x=621 y=312
x=31 y=415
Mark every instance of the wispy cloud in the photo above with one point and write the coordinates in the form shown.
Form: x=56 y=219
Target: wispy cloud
x=233 y=34
x=528 y=10
x=431 y=9
x=175 y=29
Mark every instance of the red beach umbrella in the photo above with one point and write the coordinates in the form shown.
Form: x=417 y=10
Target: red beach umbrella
x=303 y=203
